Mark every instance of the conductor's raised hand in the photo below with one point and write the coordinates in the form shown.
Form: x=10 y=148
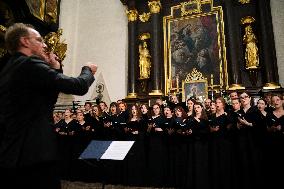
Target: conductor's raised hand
x=52 y=60
x=93 y=67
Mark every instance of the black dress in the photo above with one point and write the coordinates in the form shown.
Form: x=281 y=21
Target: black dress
x=248 y=152
x=221 y=160
x=275 y=158
x=200 y=132
x=183 y=151
x=156 y=155
x=135 y=167
x=170 y=138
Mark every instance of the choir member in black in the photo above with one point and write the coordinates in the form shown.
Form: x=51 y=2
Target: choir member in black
x=207 y=104
x=113 y=109
x=156 y=148
x=97 y=123
x=275 y=143
x=105 y=118
x=212 y=107
x=67 y=126
x=119 y=122
x=156 y=121
x=56 y=118
x=145 y=116
x=190 y=103
x=105 y=115
x=87 y=112
x=79 y=139
x=108 y=129
x=104 y=108
x=135 y=169
x=268 y=96
x=133 y=127
x=87 y=130
x=233 y=95
x=145 y=119
x=174 y=102
x=220 y=148
x=260 y=130
x=183 y=150
x=161 y=103
x=236 y=104
x=182 y=128
x=248 y=153
x=169 y=123
x=200 y=131
x=234 y=113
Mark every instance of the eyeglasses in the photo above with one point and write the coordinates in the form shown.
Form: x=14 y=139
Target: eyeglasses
x=39 y=39
x=243 y=97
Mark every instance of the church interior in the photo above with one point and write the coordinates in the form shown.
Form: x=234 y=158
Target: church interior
x=156 y=49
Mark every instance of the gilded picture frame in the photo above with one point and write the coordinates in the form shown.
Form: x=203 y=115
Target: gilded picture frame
x=36 y=8
x=44 y=10
x=197 y=89
x=194 y=40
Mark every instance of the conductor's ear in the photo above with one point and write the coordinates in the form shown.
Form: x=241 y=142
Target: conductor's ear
x=24 y=41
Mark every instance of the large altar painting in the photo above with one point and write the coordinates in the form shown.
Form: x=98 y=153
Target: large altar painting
x=195 y=41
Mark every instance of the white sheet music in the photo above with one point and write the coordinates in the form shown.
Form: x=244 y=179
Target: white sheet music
x=117 y=150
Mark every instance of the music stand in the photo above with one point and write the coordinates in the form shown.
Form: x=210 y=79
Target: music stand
x=106 y=150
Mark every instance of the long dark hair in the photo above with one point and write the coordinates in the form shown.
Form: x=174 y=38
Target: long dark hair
x=203 y=113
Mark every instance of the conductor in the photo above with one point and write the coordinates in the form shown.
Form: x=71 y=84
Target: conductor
x=29 y=86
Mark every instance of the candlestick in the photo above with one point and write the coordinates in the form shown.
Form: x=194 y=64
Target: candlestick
x=177 y=83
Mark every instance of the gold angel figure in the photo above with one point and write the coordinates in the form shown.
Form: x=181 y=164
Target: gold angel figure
x=144 y=61
x=251 y=52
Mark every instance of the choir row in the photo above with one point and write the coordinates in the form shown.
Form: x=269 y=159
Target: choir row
x=236 y=147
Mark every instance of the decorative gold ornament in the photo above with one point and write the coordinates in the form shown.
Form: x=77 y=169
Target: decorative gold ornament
x=3 y=52
x=155 y=6
x=190 y=7
x=52 y=40
x=132 y=15
x=247 y=20
x=194 y=75
x=271 y=85
x=156 y=93
x=144 y=36
x=236 y=87
x=244 y=1
x=145 y=16
x=3 y=28
x=131 y=95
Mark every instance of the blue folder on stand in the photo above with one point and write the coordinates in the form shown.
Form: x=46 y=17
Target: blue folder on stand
x=115 y=150
x=95 y=149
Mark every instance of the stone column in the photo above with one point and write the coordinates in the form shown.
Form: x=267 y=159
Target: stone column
x=235 y=81
x=156 y=50
x=132 y=52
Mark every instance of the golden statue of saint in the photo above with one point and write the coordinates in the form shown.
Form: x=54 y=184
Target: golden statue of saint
x=251 y=53
x=144 y=61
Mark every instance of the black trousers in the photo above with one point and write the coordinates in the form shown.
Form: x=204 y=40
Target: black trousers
x=43 y=176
